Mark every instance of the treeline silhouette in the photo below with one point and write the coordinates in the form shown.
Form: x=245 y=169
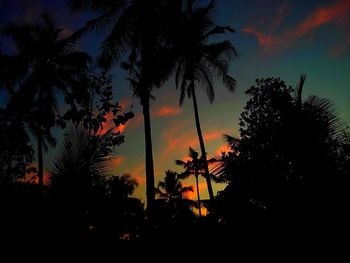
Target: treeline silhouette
x=286 y=175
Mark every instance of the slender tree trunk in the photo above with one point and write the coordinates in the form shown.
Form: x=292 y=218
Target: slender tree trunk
x=198 y=197
x=146 y=62
x=40 y=159
x=201 y=141
x=150 y=192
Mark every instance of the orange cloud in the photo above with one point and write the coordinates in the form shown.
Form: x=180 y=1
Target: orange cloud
x=135 y=122
x=336 y=12
x=202 y=185
x=176 y=139
x=186 y=159
x=125 y=102
x=222 y=148
x=118 y=160
x=139 y=173
x=109 y=124
x=193 y=196
x=167 y=111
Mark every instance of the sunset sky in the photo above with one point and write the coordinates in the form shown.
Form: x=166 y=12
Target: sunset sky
x=274 y=38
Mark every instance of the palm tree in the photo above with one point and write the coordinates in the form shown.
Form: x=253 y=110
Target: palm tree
x=195 y=167
x=46 y=64
x=136 y=26
x=78 y=180
x=199 y=59
x=171 y=188
x=81 y=165
x=122 y=187
x=171 y=193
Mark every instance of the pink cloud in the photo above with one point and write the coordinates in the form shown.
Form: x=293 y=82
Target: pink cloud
x=167 y=111
x=118 y=160
x=177 y=139
x=264 y=40
x=135 y=122
x=321 y=16
x=132 y=123
x=109 y=124
x=336 y=12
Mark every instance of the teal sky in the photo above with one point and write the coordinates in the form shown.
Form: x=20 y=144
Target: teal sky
x=274 y=38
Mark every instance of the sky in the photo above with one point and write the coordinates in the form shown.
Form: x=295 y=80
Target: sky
x=275 y=38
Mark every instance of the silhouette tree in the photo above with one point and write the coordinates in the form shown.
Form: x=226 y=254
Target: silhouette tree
x=199 y=58
x=47 y=63
x=16 y=153
x=137 y=26
x=288 y=157
x=78 y=181
x=81 y=165
x=122 y=187
x=93 y=107
x=172 y=192
x=172 y=187
x=194 y=167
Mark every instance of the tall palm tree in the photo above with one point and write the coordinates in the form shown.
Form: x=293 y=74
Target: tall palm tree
x=136 y=26
x=194 y=167
x=199 y=59
x=171 y=188
x=47 y=63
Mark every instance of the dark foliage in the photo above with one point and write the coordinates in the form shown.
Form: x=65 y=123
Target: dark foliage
x=285 y=171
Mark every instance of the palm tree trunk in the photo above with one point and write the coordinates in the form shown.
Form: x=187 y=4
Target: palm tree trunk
x=201 y=141
x=150 y=192
x=145 y=94
x=40 y=159
x=198 y=197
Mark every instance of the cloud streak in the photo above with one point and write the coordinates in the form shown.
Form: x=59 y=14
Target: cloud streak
x=139 y=173
x=178 y=139
x=335 y=13
x=118 y=160
x=164 y=111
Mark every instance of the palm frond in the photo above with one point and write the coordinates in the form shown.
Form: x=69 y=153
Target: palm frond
x=219 y=30
x=118 y=41
x=324 y=112
x=74 y=60
x=232 y=141
x=12 y=71
x=102 y=24
x=183 y=88
x=229 y=82
x=299 y=91
x=207 y=81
